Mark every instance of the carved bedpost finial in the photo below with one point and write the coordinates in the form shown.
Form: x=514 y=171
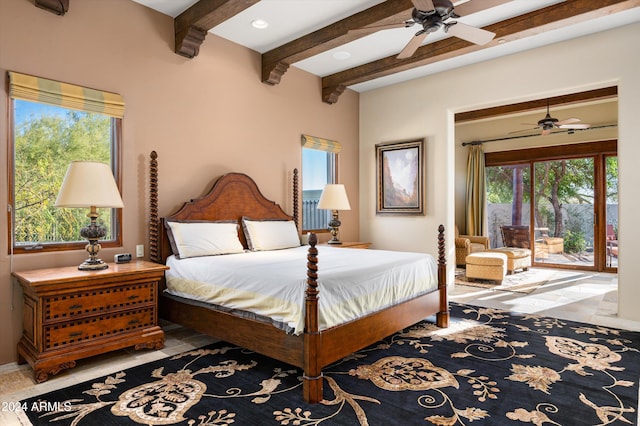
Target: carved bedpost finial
x=295 y=198
x=441 y=249
x=153 y=209
x=442 y=317
x=312 y=268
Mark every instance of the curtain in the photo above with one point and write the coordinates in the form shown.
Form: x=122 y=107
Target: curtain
x=476 y=199
x=321 y=144
x=37 y=89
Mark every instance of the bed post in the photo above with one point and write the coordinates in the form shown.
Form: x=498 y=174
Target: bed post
x=442 y=317
x=153 y=209
x=295 y=199
x=312 y=376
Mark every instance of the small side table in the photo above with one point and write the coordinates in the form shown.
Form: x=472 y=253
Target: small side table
x=349 y=244
x=70 y=314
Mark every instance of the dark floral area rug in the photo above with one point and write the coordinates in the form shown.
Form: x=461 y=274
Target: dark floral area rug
x=490 y=367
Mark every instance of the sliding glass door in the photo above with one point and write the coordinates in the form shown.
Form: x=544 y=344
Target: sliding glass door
x=563 y=211
x=561 y=206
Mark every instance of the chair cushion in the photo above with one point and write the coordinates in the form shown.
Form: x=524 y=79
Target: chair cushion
x=476 y=247
x=487 y=258
x=513 y=252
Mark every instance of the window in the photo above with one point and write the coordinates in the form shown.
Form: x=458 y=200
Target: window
x=319 y=167
x=53 y=125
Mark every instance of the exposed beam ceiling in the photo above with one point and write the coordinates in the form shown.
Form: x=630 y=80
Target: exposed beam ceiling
x=546 y=19
x=312 y=34
x=276 y=61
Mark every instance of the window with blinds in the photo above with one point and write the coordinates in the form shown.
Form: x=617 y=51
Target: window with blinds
x=53 y=124
x=319 y=167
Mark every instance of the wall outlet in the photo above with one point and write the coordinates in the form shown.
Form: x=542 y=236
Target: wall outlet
x=140 y=250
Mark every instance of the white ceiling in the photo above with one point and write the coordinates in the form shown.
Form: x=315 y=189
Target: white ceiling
x=291 y=19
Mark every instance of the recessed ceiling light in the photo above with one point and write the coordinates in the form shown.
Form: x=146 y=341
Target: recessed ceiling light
x=341 y=55
x=260 y=24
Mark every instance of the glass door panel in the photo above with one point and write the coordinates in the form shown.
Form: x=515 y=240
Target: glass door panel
x=563 y=212
x=611 y=185
x=508 y=193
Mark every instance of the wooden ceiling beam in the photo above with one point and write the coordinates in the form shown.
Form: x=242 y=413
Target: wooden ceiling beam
x=569 y=12
x=59 y=7
x=276 y=62
x=537 y=104
x=192 y=25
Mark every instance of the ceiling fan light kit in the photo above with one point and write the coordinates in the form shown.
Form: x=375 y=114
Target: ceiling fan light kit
x=548 y=123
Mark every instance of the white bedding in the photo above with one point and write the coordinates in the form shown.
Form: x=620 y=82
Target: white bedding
x=352 y=282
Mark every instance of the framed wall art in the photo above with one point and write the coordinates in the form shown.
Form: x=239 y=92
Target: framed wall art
x=400 y=177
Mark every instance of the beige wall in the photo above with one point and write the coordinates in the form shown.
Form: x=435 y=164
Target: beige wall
x=204 y=117
x=425 y=107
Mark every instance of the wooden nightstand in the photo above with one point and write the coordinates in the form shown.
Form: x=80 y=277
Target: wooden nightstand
x=71 y=314
x=349 y=244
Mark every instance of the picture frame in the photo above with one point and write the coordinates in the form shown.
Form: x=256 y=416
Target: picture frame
x=400 y=177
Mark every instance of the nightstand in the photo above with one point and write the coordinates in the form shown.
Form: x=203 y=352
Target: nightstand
x=349 y=244
x=70 y=314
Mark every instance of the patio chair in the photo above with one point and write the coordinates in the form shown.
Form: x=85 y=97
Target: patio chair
x=515 y=236
x=467 y=244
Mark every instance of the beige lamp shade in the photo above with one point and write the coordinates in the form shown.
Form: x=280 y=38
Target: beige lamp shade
x=334 y=197
x=89 y=184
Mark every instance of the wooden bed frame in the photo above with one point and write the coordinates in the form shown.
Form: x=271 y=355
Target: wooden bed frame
x=235 y=195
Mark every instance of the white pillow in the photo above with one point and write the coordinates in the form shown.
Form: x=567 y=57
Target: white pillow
x=270 y=234
x=202 y=238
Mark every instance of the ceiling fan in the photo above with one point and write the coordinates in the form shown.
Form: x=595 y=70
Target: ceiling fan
x=432 y=16
x=548 y=123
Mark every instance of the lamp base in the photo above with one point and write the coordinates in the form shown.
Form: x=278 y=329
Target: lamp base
x=92 y=265
x=336 y=242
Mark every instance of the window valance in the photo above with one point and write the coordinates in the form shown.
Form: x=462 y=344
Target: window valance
x=321 y=144
x=37 y=89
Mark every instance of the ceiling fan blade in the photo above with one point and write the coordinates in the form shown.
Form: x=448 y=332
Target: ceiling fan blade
x=522 y=131
x=375 y=28
x=575 y=126
x=469 y=33
x=568 y=121
x=412 y=46
x=424 y=5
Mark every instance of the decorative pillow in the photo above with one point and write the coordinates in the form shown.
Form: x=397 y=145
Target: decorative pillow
x=203 y=238
x=270 y=234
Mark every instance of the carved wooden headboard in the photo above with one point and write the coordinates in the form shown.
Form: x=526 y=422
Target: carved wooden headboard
x=232 y=196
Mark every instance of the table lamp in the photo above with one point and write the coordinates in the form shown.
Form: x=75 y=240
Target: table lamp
x=334 y=197
x=90 y=184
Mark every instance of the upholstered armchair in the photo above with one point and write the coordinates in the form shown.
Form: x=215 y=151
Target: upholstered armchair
x=467 y=244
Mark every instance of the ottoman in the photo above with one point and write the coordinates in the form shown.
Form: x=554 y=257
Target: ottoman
x=487 y=265
x=517 y=258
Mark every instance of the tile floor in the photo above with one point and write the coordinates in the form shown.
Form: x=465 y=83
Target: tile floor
x=572 y=295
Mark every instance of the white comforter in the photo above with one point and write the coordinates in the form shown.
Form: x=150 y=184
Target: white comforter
x=352 y=282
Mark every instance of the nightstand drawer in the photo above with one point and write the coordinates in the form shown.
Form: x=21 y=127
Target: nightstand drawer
x=67 y=306
x=74 y=332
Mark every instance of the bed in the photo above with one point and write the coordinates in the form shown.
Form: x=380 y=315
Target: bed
x=317 y=341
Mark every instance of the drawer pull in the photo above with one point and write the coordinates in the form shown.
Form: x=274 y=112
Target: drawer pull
x=75 y=306
x=133 y=297
x=133 y=322
x=76 y=334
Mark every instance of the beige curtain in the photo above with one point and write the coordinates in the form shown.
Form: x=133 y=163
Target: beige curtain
x=476 y=200
x=37 y=89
